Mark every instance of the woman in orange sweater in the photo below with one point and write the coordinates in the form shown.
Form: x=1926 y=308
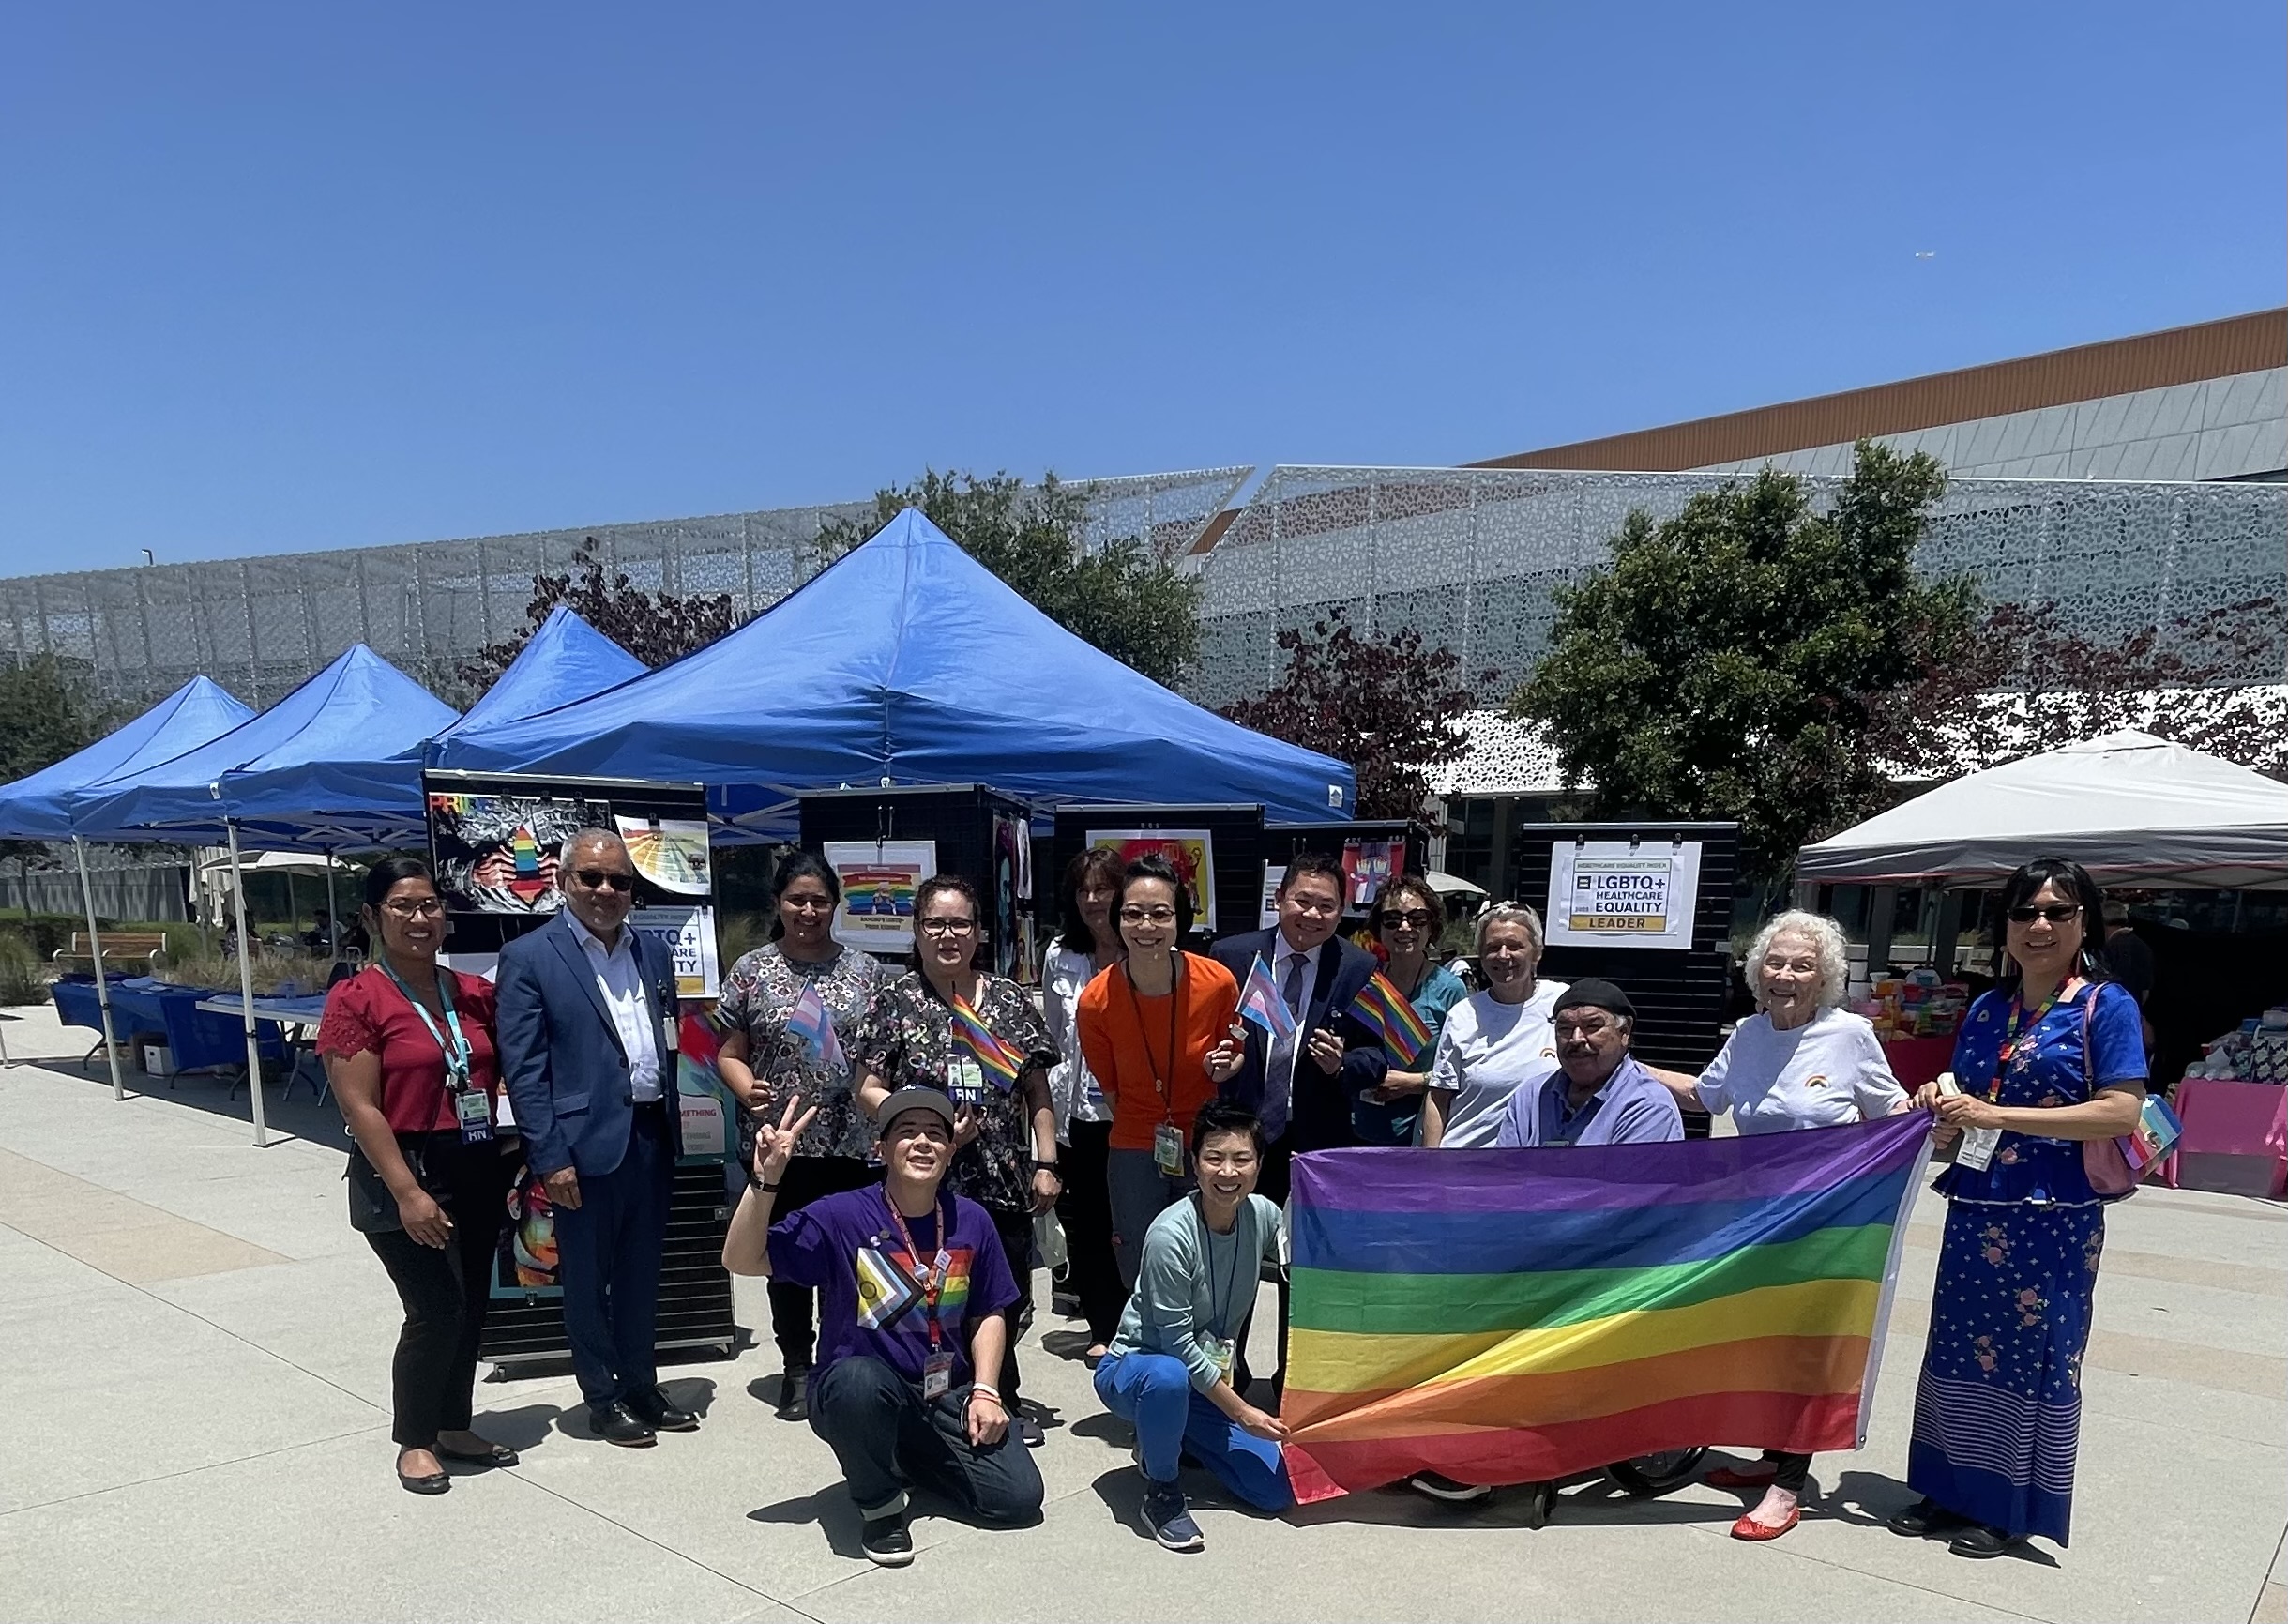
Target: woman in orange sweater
x=1159 y=1031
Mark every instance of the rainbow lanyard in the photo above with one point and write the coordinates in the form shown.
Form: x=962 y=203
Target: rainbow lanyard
x=933 y=1282
x=2023 y=1028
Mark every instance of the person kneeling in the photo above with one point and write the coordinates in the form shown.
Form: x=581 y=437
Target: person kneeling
x=911 y=1286
x=1169 y=1372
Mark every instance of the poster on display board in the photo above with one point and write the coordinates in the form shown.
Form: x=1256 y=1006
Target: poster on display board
x=878 y=879
x=1190 y=852
x=1623 y=894
x=1275 y=876
x=1369 y=865
x=494 y=841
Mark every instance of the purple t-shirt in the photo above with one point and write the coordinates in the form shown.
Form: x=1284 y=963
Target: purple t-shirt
x=869 y=1288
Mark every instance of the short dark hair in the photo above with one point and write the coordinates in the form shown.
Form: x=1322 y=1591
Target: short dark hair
x=1100 y=861
x=946 y=885
x=391 y=872
x=1226 y=1117
x=1414 y=883
x=1315 y=863
x=2073 y=879
x=1153 y=866
x=800 y=865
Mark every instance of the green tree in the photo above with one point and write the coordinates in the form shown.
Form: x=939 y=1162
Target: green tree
x=1119 y=596
x=655 y=627
x=49 y=708
x=1731 y=662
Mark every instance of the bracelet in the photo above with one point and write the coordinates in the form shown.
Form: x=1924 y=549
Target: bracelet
x=766 y=1188
x=1051 y=1168
x=987 y=1390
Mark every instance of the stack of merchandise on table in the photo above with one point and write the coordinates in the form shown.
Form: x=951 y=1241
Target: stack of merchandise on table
x=2236 y=1111
x=1917 y=1005
x=2258 y=1052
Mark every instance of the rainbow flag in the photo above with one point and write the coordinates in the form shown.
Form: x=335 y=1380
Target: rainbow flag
x=1506 y=1316
x=1386 y=1012
x=1002 y=1063
x=1260 y=1002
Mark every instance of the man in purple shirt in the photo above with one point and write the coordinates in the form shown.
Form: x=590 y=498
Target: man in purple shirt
x=911 y=1284
x=1598 y=1094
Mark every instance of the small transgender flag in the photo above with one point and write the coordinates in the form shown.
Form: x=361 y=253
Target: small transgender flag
x=809 y=1020
x=1386 y=1011
x=1260 y=1002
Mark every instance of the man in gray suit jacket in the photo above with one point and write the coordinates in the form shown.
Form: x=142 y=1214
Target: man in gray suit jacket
x=587 y=1044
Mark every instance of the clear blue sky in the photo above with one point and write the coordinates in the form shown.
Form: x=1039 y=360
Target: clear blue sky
x=277 y=277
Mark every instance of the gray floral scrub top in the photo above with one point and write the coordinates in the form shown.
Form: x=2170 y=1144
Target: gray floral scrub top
x=759 y=993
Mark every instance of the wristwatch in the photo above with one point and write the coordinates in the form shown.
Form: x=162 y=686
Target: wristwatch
x=1039 y=1166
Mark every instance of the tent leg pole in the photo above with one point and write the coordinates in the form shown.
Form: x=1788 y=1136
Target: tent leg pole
x=245 y=992
x=95 y=949
x=333 y=920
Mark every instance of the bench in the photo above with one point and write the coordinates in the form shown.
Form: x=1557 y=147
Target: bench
x=120 y=947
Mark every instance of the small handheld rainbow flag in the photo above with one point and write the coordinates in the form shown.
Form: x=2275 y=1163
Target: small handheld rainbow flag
x=809 y=1020
x=1260 y=1002
x=1386 y=1011
x=1001 y=1062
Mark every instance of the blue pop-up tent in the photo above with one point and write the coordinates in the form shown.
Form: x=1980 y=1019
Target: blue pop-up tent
x=39 y=806
x=563 y=660
x=907 y=661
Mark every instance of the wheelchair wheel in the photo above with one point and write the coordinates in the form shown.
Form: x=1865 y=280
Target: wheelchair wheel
x=1648 y=1477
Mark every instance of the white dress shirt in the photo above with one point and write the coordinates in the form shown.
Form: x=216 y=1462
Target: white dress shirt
x=1279 y=1068
x=621 y=979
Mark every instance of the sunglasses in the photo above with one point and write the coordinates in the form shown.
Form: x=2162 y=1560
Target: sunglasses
x=604 y=879
x=2057 y=914
x=1418 y=918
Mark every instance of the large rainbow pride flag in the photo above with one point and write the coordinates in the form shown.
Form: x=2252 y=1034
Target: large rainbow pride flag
x=1505 y=1316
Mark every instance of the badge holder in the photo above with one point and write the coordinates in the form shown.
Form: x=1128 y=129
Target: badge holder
x=1168 y=1150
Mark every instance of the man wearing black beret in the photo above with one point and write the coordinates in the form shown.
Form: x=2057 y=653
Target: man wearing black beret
x=1599 y=1095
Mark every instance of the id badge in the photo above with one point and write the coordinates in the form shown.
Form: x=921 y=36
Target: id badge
x=1977 y=1150
x=473 y=1107
x=671 y=1034
x=1168 y=1150
x=1219 y=1351
x=968 y=1082
x=937 y=1375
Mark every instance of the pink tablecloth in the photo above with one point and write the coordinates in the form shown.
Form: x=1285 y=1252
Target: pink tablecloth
x=2227 y=1118
x=1918 y=1060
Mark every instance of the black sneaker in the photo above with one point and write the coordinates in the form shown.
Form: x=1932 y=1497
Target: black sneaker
x=795 y=1394
x=1168 y=1519
x=886 y=1542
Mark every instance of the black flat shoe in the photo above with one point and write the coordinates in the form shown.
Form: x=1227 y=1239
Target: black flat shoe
x=491 y=1455
x=654 y=1411
x=1980 y=1542
x=614 y=1425
x=1925 y=1519
x=429 y=1483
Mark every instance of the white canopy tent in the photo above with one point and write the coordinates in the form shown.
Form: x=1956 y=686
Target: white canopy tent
x=2132 y=809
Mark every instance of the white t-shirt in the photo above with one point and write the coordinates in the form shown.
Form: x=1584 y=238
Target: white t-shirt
x=1829 y=1071
x=1486 y=1052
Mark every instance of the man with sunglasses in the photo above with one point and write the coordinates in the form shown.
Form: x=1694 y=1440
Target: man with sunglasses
x=587 y=1019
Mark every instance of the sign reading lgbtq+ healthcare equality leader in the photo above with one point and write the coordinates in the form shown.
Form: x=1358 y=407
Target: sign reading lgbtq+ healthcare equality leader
x=1622 y=893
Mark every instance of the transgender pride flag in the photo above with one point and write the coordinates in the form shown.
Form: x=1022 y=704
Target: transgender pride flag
x=809 y=1020
x=1260 y=1002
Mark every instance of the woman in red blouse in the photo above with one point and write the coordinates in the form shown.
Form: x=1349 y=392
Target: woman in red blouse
x=409 y=1048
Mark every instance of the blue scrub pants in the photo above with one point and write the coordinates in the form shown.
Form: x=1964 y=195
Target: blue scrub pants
x=1152 y=1392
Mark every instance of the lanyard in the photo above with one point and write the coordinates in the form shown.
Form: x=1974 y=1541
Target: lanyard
x=1176 y=993
x=933 y=1281
x=1220 y=1303
x=456 y=1053
x=2024 y=1028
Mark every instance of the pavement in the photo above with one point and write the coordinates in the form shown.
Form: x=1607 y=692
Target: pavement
x=199 y=1349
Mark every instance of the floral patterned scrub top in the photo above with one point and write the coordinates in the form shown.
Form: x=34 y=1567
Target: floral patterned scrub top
x=908 y=1042
x=758 y=994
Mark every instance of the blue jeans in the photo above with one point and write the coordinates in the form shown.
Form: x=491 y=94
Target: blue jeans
x=1152 y=1392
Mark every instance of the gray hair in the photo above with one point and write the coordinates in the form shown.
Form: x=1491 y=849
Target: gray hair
x=1511 y=913
x=1827 y=939
x=592 y=836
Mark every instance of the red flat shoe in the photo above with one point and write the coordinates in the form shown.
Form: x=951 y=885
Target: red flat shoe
x=1748 y=1528
x=1730 y=1478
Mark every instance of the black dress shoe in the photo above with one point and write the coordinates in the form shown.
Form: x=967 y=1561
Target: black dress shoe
x=1924 y=1519
x=614 y=1425
x=795 y=1396
x=1978 y=1540
x=491 y=1455
x=653 y=1409
x=425 y=1483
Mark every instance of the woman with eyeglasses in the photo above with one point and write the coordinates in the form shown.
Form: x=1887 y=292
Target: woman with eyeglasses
x=1407 y=917
x=410 y=1051
x=1088 y=945
x=2046 y=1063
x=976 y=1036
x=768 y=1062
x=1159 y=1032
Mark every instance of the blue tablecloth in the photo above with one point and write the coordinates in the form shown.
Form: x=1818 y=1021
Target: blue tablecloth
x=195 y=1037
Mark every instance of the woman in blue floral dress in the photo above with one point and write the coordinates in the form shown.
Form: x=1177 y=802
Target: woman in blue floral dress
x=2044 y=1065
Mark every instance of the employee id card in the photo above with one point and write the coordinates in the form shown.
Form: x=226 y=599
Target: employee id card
x=473 y=1110
x=967 y=1079
x=1168 y=1150
x=1219 y=1351
x=938 y=1373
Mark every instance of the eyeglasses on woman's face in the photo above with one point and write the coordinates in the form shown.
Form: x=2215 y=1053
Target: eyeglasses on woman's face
x=1163 y=916
x=795 y=904
x=413 y=907
x=941 y=927
x=2055 y=913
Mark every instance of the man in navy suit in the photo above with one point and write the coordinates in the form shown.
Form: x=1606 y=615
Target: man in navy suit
x=1302 y=1087
x=587 y=1044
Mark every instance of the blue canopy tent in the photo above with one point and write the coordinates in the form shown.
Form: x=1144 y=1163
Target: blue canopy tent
x=565 y=660
x=907 y=661
x=311 y=773
x=39 y=807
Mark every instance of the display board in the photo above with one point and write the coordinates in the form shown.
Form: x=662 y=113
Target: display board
x=883 y=842
x=1374 y=852
x=1640 y=896
x=1218 y=846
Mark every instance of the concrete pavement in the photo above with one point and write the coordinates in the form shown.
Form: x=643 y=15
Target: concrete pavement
x=197 y=1349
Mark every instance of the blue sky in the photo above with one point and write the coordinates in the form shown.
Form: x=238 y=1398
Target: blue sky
x=278 y=277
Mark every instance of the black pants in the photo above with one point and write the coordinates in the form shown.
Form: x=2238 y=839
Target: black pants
x=1793 y=1470
x=1085 y=1208
x=608 y=1257
x=793 y=1307
x=886 y=1434
x=1015 y=1227
x=445 y=1289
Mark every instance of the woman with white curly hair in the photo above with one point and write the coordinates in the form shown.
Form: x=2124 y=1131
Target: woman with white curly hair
x=1801 y=1061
